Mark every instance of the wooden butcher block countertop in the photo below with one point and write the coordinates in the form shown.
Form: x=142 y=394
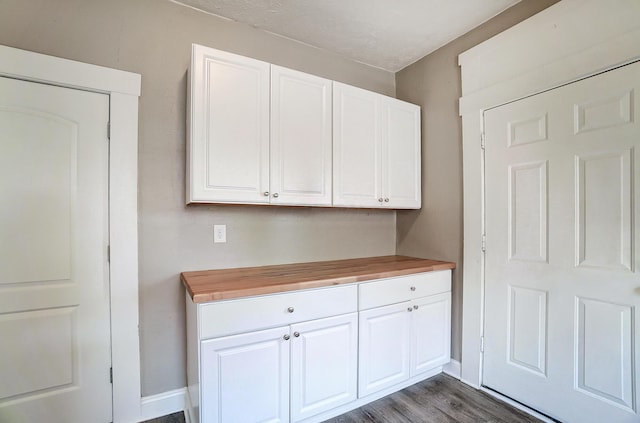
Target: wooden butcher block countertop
x=212 y=285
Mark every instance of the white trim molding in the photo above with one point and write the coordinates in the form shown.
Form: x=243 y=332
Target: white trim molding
x=452 y=368
x=123 y=89
x=163 y=404
x=570 y=40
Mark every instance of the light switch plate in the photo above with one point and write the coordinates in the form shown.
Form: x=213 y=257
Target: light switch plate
x=219 y=233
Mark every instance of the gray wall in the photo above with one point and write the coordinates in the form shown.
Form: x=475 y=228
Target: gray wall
x=153 y=38
x=436 y=230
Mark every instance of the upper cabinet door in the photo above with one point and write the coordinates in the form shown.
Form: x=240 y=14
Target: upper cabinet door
x=356 y=147
x=300 y=172
x=401 y=156
x=228 y=142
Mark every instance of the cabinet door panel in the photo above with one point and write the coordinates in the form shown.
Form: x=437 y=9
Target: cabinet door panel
x=228 y=148
x=401 y=157
x=324 y=366
x=245 y=378
x=300 y=138
x=356 y=147
x=430 y=333
x=384 y=347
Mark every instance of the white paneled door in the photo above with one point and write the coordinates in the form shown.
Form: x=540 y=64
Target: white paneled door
x=55 y=352
x=562 y=288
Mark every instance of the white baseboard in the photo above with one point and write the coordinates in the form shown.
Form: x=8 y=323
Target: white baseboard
x=452 y=368
x=162 y=404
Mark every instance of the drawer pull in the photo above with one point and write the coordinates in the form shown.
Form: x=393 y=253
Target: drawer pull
x=286 y=337
x=296 y=334
x=290 y=309
x=413 y=288
x=415 y=307
x=410 y=309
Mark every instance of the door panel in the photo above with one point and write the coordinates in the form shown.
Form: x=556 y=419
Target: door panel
x=561 y=284
x=356 y=147
x=300 y=138
x=324 y=360
x=384 y=347
x=245 y=378
x=55 y=352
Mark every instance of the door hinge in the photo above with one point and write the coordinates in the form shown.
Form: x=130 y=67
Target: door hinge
x=482 y=140
x=108 y=253
x=109 y=130
x=110 y=374
x=482 y=344
x=484 y=243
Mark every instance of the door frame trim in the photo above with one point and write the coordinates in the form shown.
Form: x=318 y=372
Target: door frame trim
x=572 y=39
x=123 y=89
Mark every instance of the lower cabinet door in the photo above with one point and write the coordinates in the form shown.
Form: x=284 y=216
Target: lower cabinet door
x=245 y=378
x=323 y=365
x=384 y=347
x=430 y=332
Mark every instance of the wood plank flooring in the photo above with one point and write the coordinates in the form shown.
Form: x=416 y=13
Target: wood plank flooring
x=440 y=399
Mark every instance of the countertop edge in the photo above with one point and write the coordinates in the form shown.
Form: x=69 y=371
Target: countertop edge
x=229 y=294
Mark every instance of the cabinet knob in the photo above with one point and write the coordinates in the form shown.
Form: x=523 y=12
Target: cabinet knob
x=413 y=288
x=275 y=195
x=290 y=309
x=286 y=337
x=386 y=200
x=296 y=334
x=380 y=199
x=415 y=307
x=266 y=193
x=410 y=309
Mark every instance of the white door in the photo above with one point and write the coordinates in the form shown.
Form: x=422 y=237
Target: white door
x=357 y=170
x=384 y=347
x=55 y=353
x=562 y=285
x=401 y=160
x=430 y=333
x=245 y=378
x=301 y=139
x=228 y=146
x=324 y=365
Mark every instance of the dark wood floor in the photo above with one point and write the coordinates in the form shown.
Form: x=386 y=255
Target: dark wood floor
x=440 y=399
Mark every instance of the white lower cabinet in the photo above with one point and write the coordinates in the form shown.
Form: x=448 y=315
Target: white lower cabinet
x=324 y=365
x=403 y=340
x=245 y=378
x=384 y=348
x=309 y=355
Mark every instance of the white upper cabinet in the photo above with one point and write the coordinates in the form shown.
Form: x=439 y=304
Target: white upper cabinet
x=263 y=134
x=300 y=138
x=401 y=160
x=357 y=175
x=228 y=124
x=376 y=156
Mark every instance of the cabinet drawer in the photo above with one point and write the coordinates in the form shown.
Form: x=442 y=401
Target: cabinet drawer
x=404 y=288
x=247 y=314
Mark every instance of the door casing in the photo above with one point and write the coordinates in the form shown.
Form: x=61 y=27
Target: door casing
x=124 y=90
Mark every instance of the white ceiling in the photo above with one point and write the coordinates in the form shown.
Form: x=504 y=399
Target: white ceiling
x=388 y=34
